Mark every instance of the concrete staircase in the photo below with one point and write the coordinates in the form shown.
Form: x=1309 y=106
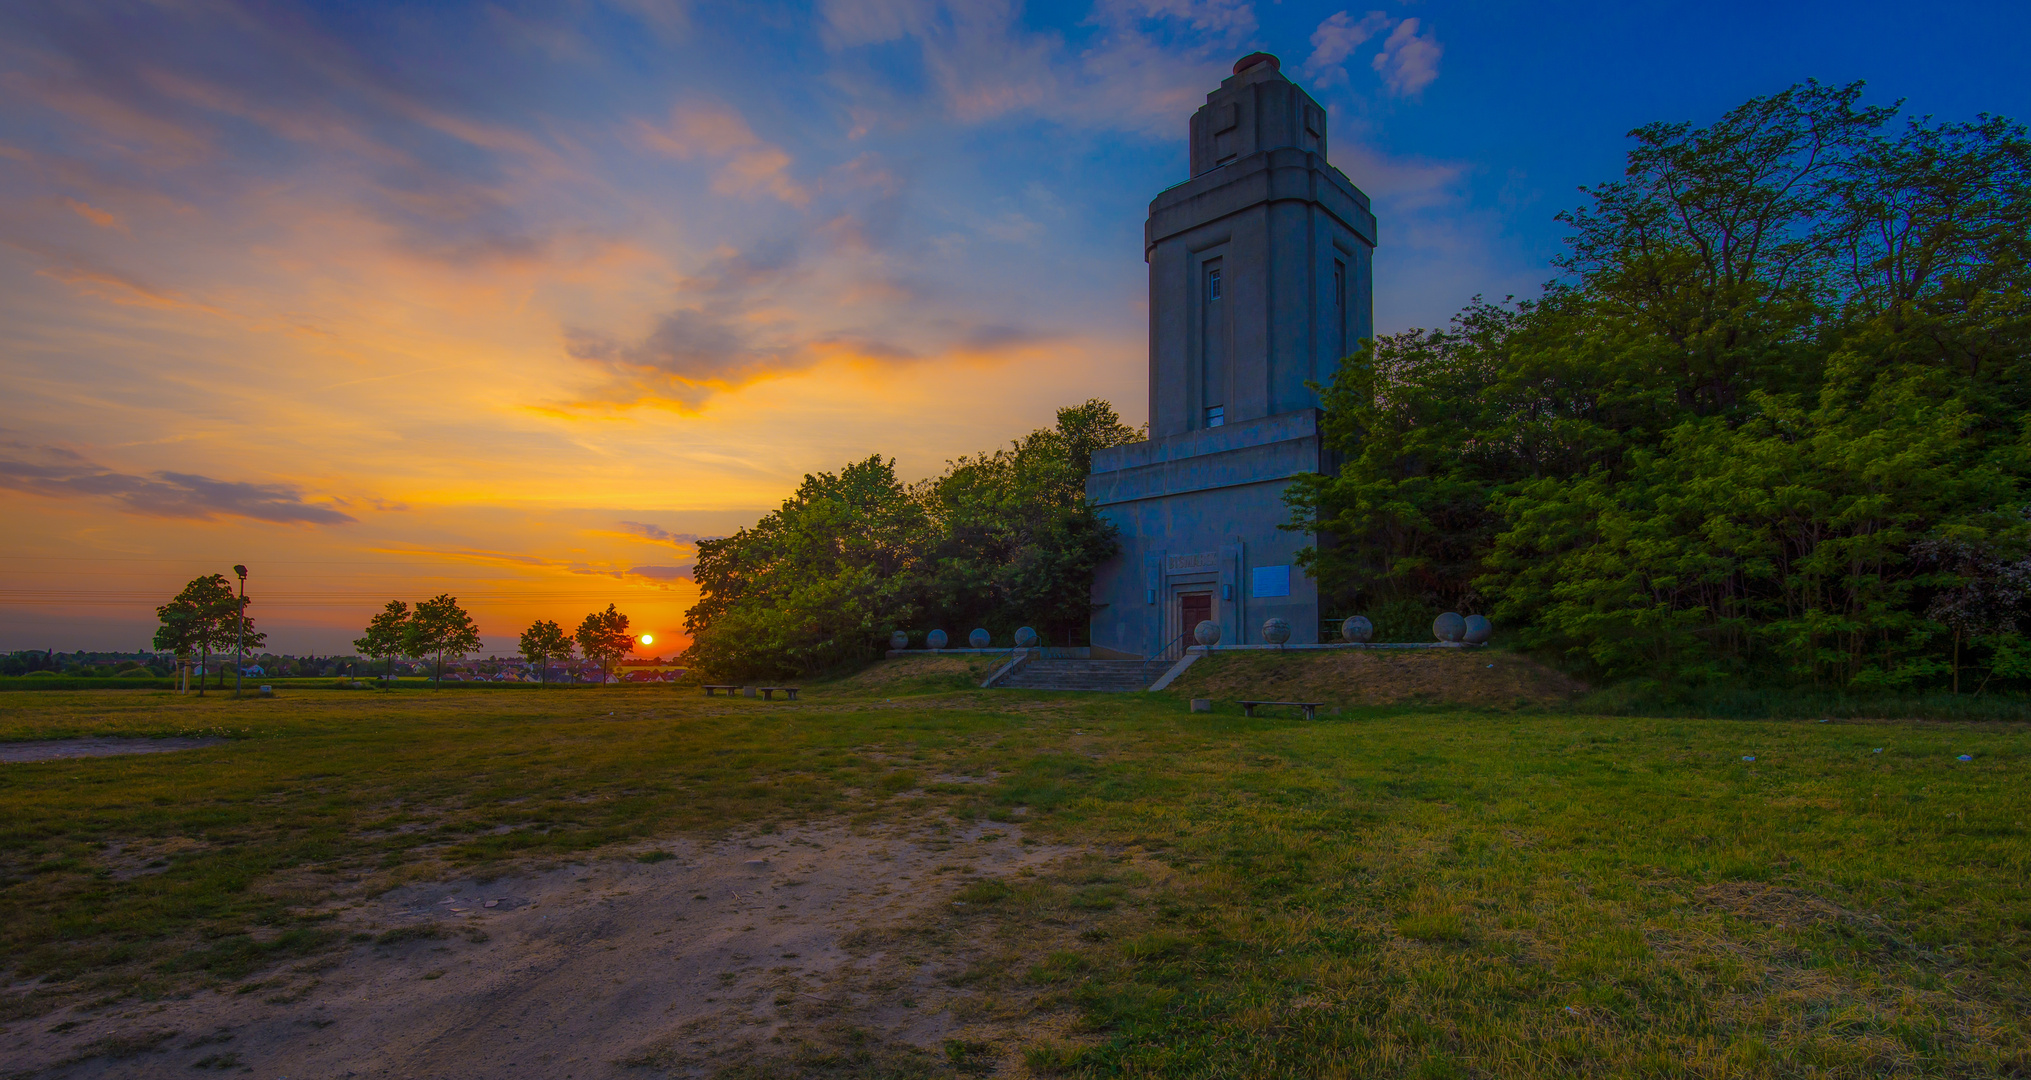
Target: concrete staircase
x=1116 y=676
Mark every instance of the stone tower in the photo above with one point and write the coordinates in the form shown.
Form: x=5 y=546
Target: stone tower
x=1260 y=281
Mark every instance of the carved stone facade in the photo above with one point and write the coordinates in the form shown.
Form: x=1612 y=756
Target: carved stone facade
x=1260 y=281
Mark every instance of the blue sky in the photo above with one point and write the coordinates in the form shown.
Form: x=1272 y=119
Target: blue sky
x=513 y=299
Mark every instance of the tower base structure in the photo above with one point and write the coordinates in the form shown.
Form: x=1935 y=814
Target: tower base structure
x=1198 y=516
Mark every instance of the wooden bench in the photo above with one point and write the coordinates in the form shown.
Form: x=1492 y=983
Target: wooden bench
x=1311 y=707
x=789 y=692
x=730 y=688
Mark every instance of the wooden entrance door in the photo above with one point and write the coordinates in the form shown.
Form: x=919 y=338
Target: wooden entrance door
x=1193 y=609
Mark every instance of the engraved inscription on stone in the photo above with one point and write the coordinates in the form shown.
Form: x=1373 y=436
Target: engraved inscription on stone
x=1196 y=560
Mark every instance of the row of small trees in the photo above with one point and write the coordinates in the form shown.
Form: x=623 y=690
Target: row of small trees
x=602 y=636
x=433 y=628
x=439 y=627
x=207 y=617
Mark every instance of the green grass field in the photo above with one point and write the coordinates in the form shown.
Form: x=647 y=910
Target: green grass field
x=1387 y=892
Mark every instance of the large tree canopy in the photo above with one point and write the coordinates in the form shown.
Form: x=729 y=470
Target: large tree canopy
x=1001 y=539
x=1773 y=413
x=206 y=617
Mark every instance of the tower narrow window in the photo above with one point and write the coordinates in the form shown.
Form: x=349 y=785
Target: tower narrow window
x=1340 y=307
x=1213 y=375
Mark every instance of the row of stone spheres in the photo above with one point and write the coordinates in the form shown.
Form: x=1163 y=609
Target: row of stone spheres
x=1450 y=628
x=1025 y=637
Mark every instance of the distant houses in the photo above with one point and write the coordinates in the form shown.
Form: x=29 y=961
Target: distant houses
x=271 y=666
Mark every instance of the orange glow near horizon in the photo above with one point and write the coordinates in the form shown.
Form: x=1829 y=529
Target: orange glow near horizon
x=395 y=344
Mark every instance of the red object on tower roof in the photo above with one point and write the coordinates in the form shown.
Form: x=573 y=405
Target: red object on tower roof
x=1255 y=58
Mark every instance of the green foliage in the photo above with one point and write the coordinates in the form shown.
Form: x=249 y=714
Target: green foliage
x=999 y=540
x=439 y=628
x=387 y=634
x=543 y=642
x=604 y=637
x=205 y=618
x=1771 y=425
x=27 y=662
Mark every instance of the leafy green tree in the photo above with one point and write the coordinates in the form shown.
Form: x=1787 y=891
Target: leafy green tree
x=386 y=634
x=1000 y=539
x=203 y=619
x=1012 y=539
x=439 y=628
x=1789 y=368
x=543 y=642
x=604 y=636
x=1981 y=597
x=178 y=633
x=813 y=583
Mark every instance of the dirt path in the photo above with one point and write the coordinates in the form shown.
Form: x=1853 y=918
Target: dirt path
x=95 y=746
x=571 y=972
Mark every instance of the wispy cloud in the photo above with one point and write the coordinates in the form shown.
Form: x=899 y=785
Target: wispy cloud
x=1335 y=40
x=654 y=575
x=103 y=219
x=59 y=473
x=715 y=132
x=1409 y=61
x=659 y=534
x=1143 y=61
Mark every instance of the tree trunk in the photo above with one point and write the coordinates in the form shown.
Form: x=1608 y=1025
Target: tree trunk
x=1956 y=661
x=204 y=662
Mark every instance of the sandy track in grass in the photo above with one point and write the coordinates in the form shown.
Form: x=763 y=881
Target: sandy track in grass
x=578 y=968
x=96 y=746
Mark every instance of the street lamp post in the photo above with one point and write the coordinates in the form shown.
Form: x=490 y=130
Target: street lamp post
x=240 y=645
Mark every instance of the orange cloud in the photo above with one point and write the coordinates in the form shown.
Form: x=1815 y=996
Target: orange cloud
x=93 y=214
x=119 y=289
x=715 y=131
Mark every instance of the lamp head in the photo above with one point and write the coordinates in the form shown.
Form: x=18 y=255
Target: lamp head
x=240 y=570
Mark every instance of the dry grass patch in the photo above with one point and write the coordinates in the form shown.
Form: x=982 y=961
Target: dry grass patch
x=1379 y=677
x=917 y=674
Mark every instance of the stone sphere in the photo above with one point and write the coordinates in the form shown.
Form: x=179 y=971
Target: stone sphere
x=1357 y=628
x=1208 y=632
x=899 y=640
x=1276 y=631
x=1449 y=627
x=1026 y=637
x=935 y=639
x=979 y=638
x=1479 y=630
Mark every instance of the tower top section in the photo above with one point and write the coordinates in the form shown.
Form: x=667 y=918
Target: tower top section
x=1255 y=109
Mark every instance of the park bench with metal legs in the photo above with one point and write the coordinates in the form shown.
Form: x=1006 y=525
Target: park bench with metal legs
x=1311 y=707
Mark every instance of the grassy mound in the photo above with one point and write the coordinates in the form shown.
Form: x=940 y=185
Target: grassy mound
x=917 y=675
x=1379 y=677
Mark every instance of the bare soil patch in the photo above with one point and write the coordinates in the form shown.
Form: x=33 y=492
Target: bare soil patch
x=57 y=749
x=679 y=960
x=1379 y=677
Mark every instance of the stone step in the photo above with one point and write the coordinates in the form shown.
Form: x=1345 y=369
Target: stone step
x=1116 y=676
